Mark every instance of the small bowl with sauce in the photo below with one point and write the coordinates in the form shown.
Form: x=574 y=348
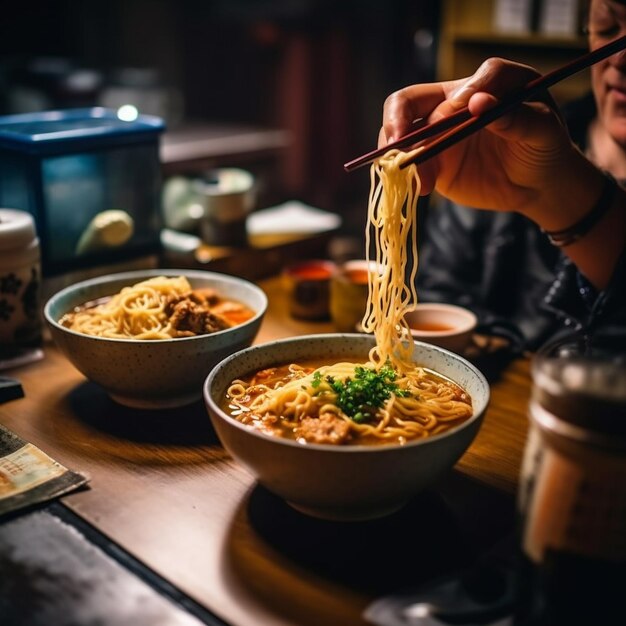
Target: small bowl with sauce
x=445 y=325
x=308 y=288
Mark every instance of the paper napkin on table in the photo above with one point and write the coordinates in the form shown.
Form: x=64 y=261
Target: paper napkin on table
x=29 y=476
x=291 y=217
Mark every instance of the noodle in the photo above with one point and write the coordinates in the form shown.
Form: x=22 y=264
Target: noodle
x=392 y=215
x=157 y=308
x=136 y=312
x=322 y=404
x=432 y=405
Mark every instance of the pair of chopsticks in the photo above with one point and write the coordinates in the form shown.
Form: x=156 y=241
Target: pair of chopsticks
x=462 y=124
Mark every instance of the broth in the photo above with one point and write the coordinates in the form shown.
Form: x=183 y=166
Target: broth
x=314 y=426
x=431 y=327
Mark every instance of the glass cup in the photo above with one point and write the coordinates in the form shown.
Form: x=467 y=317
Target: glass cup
x=572 y=492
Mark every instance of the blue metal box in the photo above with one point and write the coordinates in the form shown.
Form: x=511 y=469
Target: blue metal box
x=91 y=180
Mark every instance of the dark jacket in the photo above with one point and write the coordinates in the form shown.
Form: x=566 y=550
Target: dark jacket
x=502 y=266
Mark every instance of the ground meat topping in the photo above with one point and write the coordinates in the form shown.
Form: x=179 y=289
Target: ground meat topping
x=327 y=428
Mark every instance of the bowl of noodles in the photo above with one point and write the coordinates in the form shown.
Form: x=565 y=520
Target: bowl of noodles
x=149 y=337
x=317 y=423
x=352 y=426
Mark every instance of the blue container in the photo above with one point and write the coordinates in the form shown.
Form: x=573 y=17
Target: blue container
x=68 y=168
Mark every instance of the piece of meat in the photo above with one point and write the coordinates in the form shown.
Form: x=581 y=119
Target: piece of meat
x=203 y=297
x=189 y=318
x=206 y=295
x=327 y=428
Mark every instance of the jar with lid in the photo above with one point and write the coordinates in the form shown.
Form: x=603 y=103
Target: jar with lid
x=20 y=284
x=572 y=496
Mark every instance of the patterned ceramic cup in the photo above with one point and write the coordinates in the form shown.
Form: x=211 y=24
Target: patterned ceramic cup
x=20 y=281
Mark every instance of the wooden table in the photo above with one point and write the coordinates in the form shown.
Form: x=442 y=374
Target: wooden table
x=164 y=490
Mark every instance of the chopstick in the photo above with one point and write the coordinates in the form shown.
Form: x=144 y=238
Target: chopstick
x=462 y=124
x=423 y=131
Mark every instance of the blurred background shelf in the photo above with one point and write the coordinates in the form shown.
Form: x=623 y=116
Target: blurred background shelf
x=468 y=36
x=265 y=256
x=214 y=145
x=287 y=89
x=195 y=147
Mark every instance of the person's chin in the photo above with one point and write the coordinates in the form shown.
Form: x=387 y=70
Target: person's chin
x=617 y=97
x=617 y=130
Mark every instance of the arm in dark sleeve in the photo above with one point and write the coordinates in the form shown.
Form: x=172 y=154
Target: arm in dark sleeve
x=575 y=297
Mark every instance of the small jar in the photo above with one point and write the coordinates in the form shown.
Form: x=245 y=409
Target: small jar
x=348 y=294
x=20 y=282
x=572 y=495
x=308 y=284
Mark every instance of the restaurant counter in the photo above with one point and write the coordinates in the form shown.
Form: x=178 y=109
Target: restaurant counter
x=163 y=491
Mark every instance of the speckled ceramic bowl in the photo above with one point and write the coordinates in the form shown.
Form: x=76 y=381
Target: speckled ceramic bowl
x=342 y=482
x=152 y=374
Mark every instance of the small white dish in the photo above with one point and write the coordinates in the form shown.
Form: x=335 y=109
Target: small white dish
x=445 y=325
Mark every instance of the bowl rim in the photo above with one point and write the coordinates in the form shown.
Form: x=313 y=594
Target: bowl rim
x=471 y=320
x=147 y=273
x=352 y=448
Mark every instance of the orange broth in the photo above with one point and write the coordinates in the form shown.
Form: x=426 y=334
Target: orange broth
x=280 y=375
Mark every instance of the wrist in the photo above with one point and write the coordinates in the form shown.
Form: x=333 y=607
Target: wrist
x=567 y=199
x=577 y=230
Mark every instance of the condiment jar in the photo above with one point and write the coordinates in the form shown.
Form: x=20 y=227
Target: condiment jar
x=572 y=496
x=20 y=282
x=348 y=294
x=307 y=284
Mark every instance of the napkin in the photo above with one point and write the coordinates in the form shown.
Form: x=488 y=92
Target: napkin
x=291 y=217
x=29 y=476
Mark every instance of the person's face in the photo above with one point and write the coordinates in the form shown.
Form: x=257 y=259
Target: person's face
x=607 y=22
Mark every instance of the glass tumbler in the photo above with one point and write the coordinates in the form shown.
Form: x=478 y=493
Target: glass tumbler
x=572 y=496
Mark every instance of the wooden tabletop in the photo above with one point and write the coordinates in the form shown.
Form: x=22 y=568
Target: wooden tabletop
x=164 y=489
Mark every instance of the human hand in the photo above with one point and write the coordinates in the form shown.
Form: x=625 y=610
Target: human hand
x=523 y=161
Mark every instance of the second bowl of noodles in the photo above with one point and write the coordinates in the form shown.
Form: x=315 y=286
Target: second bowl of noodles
x=148 y=337
x=344 y=463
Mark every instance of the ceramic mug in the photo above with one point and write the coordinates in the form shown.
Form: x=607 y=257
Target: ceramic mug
x=348 y=294
x=308 y=288
x=20 y=281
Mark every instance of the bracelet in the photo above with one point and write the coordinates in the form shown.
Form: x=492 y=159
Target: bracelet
x=568 y=236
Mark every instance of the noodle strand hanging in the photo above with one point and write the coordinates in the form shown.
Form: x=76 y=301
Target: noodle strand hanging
x=392 y=217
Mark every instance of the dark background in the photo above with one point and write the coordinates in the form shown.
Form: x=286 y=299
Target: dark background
x=318 y=68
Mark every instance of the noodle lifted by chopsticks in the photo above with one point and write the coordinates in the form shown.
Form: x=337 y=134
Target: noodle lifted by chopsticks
x=392 y=219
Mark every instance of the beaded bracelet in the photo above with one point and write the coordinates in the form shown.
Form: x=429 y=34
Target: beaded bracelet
x=568 y=236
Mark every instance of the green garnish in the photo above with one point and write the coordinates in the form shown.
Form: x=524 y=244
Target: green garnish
x=359 y=397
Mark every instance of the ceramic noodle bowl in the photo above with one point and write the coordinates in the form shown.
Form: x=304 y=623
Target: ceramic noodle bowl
x=152 y=374
x=342 y=482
